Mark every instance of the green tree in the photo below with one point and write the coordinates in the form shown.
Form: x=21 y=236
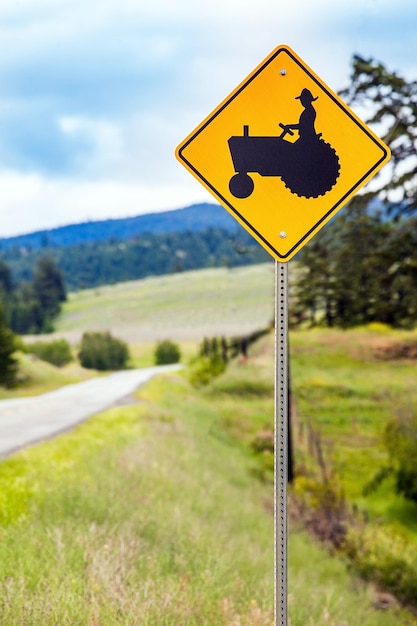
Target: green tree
x=364 y=268
x=357 y=270
x=8 y=362
x=31 y=306
x=5 y=279
x=25 y=310
x=49 y=287
x=361 y=269
x=390 y=103
x=315 y=300
x=6 y=286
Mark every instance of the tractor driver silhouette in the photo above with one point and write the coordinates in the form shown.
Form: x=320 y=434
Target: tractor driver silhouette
x=307 y=119
x=308 y=166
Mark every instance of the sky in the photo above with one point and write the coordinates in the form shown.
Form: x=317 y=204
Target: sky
x=95 y=95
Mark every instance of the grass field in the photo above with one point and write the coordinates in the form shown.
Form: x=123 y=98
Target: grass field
x=155 y=514
x=347 y=390
x=184 y=306
x=152 y=514
x=347 y=386
x=37 y=377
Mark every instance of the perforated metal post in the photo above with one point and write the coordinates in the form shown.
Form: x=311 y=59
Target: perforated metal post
x=281 y=443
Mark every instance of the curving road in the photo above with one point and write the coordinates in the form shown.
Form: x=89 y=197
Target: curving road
x=25 y=421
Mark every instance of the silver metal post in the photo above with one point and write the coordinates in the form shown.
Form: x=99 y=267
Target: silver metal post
x=281 y=443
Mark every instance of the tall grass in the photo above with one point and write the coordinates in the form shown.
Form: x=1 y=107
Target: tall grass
x=347 y=385
x=323 y=592
x=152 y=514
x=138 y=517
x=347 y=392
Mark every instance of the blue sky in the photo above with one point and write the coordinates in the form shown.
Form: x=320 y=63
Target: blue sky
x=96 y=94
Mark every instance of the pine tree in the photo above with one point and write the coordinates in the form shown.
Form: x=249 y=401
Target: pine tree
x=392 y=103
x=364 y=267
x=49 y=287
x=8 y=363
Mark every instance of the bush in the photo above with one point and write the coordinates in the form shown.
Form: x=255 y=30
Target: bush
x=400 y=439
x=385 y=557
x=263 y=445
x=204 y=369
x=56 y=352
x=103 y=352
x=167 y=352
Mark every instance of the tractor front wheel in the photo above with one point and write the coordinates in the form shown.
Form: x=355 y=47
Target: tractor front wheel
x=241 y=185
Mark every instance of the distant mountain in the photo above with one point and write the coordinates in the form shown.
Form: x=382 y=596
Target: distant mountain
x=196 y=217
x=116 y=250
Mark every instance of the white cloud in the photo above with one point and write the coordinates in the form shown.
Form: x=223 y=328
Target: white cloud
x=94 y=96
x=31 y=202
x=101 y=144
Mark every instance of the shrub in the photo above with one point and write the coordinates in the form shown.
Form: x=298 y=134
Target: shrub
x=263 y=445
x=167 y=352
x=210 y=362
x=204 y=369
x=103 y=352
x=400 y=438
x=56 y=352
x=385 y=557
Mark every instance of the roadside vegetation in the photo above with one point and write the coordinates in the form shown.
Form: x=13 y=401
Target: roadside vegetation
x=57 y=352
x=167 y=352
x=351 y=393
x=155 y=514
x=349 y=388
x=103 y=352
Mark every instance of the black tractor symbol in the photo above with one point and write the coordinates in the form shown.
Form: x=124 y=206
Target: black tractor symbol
x=309 y=167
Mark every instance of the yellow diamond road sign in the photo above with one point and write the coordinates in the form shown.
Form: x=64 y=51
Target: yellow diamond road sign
x=283 y=153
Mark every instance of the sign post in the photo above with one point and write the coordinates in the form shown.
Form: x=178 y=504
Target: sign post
x=281 y=442
x=282 y=153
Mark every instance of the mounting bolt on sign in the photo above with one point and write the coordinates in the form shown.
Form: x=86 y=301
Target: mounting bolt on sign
x=282 y=153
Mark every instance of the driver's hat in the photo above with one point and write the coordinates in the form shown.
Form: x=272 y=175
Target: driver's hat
x=306 y=94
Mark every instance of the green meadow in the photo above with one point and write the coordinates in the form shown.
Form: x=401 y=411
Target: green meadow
x=346 y=387
x=180 y=306
x=161 y=512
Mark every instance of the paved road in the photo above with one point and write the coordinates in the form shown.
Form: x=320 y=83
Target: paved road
x=25 y=421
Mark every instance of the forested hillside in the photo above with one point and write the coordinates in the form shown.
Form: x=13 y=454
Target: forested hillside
x=112 y=251
x=111 y=261
x=196 y=217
